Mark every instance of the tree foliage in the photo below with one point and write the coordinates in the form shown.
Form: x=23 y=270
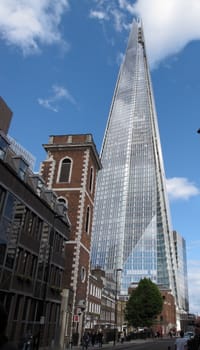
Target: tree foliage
x=144 y=304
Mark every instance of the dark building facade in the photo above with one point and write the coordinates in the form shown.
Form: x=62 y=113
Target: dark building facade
x=33 y=230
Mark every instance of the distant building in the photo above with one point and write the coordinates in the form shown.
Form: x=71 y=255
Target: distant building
x=93 y=309
x=107 y=317
x=166 y=320
x=181 y=272
x=21 y=151
x=6 y=116
x=33 y=230
x=70 y=170
x=188 y=322
x=104 y=312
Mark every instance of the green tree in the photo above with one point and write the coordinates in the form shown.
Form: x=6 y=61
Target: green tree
x=144 y=304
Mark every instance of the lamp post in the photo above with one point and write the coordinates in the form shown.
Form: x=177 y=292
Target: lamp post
x=83 y=324
x=116 y=285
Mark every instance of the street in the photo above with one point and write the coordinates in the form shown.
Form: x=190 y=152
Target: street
x=155 y=344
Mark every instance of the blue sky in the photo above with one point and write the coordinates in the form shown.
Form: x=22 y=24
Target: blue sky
x=59 y=65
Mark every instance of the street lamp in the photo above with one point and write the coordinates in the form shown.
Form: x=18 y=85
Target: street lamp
x=115 y=329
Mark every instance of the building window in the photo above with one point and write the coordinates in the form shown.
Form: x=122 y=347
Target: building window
x=10 y=257
x=62 y=200
x=22 y=169
x=83 y=274
x=32 y=265
x=2 y=198
x=21 y=166
x=38 y=229
x=9 y=207
x=2 y=252
x=4 y=144
x=91 y=179
x=65 y=170
x=87 y=221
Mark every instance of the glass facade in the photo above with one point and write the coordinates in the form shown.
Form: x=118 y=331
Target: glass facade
x=181 y=270
x=131 y=226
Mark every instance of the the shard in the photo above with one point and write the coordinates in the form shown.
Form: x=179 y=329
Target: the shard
x=132 y=232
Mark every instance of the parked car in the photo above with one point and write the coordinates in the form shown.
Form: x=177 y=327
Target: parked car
x=189 y=335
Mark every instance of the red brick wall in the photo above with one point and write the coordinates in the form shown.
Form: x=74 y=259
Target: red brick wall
x=75 y=147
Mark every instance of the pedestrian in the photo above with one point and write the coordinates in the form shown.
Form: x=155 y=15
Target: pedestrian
x=85 y=341
x=35 y=341
x=122 y=337
x=170 y=334
x=181 y=343
x=93 y=338
x=5 y=344
x=100 y=339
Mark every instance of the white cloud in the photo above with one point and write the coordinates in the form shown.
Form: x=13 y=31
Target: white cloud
x=169 y=25
x=181 y=188
x=118 y=20
x=59 y=93
x=29 y=23
x=109 y=11
x=120 y=58
x=99 y=15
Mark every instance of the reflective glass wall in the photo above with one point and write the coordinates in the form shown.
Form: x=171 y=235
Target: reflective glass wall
x=131 y=227
x=181 y=268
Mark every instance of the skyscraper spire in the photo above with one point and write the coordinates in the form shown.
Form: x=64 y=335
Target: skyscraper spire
x=131 y=228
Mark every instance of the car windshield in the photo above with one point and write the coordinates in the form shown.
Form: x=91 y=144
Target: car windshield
x=188 y=334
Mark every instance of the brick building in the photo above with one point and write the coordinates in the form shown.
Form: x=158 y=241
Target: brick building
x=6 y=116
x=166 y=320
x=70 y=170
x=105 y=312
x=93 y=307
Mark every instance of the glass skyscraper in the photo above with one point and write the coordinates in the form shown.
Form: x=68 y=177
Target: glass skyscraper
x=131 y=229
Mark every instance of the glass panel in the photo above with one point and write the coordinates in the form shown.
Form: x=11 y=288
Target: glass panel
x=3 y=147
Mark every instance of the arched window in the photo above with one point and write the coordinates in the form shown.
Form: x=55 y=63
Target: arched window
x=83 y=274
x=87 y=221
x=65 y=170
x=62 y=200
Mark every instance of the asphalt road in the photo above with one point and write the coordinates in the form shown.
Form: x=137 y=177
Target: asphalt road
x=151 y=344
x=156 y=344
x=139 y=344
